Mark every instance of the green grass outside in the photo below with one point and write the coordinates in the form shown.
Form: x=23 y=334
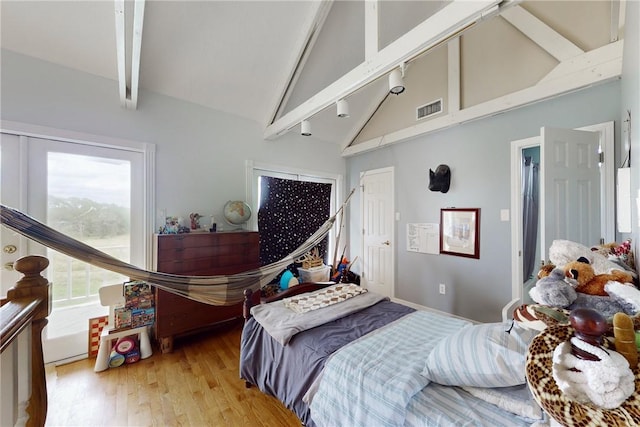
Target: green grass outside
x=74 y=281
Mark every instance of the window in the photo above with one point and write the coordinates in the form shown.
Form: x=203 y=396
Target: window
x=311 y=191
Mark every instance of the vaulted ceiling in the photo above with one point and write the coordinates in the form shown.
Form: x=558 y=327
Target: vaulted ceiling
x=280 y=62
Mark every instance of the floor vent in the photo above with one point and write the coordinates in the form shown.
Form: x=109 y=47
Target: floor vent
x=430 y=109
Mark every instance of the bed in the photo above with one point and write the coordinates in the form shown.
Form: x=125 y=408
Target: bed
x=385 y=363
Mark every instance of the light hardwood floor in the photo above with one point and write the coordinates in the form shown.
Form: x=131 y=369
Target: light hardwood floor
x=196 y=385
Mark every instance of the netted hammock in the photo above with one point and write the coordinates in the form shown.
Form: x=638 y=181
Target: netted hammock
x=214 y=290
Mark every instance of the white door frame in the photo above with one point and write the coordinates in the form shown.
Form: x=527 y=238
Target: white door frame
x=148 y=150
x=607 y=194
x=392 y=228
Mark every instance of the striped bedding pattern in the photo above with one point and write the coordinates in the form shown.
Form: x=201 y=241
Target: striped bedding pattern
x=392 y=358
x=437 y=405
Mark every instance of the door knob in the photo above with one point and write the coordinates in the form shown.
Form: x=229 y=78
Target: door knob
x=9 y=249
x=387 y=243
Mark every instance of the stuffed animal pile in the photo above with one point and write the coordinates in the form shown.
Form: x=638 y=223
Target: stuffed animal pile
x=583 y=278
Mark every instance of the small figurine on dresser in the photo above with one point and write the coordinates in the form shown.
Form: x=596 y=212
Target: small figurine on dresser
x=585 y=370
x=195 y=220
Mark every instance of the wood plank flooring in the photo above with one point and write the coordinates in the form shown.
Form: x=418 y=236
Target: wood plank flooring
x=196 y=385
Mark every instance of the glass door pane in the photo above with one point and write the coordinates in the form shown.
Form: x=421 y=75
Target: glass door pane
x=89 y=199
x=89 y=193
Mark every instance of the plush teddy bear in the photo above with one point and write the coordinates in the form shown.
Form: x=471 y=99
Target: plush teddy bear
x=554 y=290
x=581 y=274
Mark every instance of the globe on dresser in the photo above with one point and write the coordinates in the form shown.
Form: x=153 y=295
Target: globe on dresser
x=236 y=212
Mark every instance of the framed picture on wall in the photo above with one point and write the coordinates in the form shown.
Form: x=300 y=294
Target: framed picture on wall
x=460 y=232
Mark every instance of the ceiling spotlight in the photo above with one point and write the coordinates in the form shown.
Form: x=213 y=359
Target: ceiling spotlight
x=342 y=108
x=305 y=128
x=396 y=83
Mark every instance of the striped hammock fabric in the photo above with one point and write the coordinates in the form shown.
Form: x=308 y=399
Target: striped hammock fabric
x=214 y=290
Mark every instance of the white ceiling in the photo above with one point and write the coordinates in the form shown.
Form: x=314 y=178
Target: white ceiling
x=232 y=56
x=239 y=56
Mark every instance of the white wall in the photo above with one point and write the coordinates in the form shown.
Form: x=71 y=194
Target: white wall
x=630 y=100
x=201 y=153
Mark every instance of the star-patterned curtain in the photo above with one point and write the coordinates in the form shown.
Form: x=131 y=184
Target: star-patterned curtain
x=290 y=211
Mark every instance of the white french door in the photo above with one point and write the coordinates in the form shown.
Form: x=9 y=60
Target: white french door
x=95 y=194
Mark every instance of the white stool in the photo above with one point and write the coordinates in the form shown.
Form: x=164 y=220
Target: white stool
x=106 y=344
x=111 y=295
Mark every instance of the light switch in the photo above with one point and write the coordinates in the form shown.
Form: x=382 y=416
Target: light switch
x=504 y=214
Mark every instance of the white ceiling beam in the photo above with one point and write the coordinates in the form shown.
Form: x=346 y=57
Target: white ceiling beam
x=615 y=20
x=312 y=31
x=128 y=89
x=446 y=23
x=138 y=21
x=599 y=66
x=541 y=34
x=453 y=74
x=371 y=29
x=121 y=51
x=585 y=61
x=618 y=10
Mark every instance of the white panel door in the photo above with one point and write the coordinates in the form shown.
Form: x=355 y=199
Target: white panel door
x=377 y=228
x=570 y=196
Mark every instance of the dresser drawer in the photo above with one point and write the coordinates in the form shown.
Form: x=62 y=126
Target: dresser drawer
x=199 y=254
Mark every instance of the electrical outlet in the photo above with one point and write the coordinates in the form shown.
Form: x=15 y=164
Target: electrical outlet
x=443 y=289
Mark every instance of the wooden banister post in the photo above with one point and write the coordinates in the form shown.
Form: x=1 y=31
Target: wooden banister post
x=33 y=285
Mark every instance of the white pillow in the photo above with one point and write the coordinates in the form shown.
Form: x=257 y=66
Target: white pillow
x=484 y=355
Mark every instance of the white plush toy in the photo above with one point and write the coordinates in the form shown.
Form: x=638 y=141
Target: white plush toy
x=563 y=252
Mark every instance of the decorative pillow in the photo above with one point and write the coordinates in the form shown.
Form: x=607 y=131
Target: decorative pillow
x=485 y=355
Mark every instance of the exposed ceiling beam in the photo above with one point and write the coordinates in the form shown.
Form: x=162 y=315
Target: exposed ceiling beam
x=618 y=10
x=594 y=67
x=453 y=78
x=541 y=34
x=313 y=29
x=443 y=25
x=128 y=89
x=371 y=28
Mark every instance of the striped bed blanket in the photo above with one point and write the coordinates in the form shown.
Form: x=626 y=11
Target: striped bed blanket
x=392 y=358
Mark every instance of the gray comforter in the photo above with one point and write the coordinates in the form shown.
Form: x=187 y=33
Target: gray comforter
x=286 y=372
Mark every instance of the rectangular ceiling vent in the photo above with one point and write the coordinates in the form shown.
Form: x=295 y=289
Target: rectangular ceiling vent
x=430 y=109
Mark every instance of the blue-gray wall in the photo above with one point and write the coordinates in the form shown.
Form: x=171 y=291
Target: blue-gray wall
x=201 y=153
x=478 y=154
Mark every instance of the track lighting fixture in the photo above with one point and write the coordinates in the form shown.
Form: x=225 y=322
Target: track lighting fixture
x=396 y=82
x=305 y=128
x=342 y=108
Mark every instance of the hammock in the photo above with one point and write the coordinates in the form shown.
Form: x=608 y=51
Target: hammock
x=214 y=290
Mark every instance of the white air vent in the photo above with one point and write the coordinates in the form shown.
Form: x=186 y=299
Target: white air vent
x=430 y=109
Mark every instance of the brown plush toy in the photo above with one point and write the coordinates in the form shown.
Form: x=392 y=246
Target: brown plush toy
x=545 y=270
x=588 y=282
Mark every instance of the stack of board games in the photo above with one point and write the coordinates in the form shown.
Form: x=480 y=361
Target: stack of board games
x=138 y=309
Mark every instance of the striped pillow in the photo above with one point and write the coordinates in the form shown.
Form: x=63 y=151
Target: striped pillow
x=484 y=355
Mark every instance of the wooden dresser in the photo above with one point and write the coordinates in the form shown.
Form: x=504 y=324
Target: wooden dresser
x=198 y=254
